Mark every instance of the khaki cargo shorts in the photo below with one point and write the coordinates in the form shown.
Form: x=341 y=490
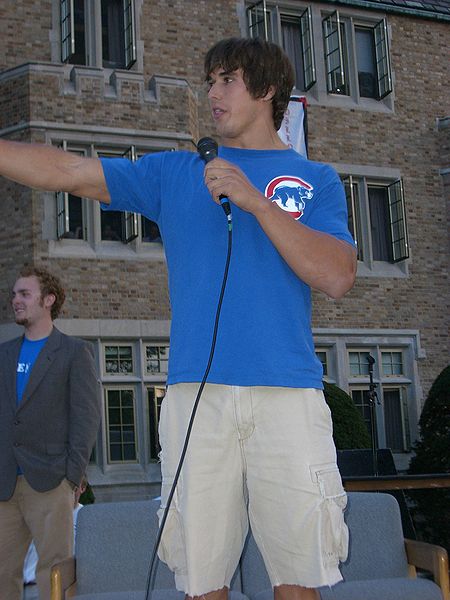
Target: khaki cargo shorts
x=257 y=454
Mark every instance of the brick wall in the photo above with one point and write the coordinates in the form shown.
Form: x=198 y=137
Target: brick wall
x=175 y=36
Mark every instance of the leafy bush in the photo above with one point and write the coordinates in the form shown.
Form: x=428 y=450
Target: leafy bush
x=87 y=497
x=431 y=507
x=349 y=429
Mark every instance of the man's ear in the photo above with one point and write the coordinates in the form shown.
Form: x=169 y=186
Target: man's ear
x=49 y=300
x=270 y=93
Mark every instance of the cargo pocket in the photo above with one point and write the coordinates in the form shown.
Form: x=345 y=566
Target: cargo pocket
x=172 y=549
x=333 y=530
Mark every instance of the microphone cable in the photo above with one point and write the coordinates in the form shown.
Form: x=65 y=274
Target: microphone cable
x=152 y=571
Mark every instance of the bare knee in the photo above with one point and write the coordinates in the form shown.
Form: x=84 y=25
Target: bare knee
x=216 y=595
x=295 y=592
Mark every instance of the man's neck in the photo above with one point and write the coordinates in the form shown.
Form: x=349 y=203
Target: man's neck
x=38 y=331
x=265 y=138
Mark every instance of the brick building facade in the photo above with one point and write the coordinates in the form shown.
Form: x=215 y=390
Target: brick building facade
x=125 y=77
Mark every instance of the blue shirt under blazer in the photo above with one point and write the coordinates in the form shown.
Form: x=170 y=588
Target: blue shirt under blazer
x=51 y=433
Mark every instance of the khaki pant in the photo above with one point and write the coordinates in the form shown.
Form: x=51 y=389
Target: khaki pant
x=262 y=455
x=45 y=517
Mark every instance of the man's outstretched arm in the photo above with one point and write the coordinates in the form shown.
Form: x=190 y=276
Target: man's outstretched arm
x=45 y=167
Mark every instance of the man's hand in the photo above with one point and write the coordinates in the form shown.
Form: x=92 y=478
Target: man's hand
x=225 y=179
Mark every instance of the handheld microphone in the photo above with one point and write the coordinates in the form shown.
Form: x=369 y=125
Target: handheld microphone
x=207 y=148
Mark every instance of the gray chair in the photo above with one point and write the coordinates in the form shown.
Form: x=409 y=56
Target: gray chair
x=114 y=543
x=380 y=561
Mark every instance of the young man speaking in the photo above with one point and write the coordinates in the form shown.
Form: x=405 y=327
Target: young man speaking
x=261 y=448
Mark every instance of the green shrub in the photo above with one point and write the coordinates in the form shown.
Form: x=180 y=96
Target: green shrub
x=87 y=497
x=349 y=429
x=431 y=507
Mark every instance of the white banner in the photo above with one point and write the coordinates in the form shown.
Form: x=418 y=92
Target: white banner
x=292 y=130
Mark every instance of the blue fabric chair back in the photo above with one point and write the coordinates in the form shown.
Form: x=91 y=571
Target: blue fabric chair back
x=376 y=538
x=114 y=543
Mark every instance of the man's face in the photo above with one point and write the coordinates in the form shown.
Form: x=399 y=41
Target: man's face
x=27 y=302
x=237 y=115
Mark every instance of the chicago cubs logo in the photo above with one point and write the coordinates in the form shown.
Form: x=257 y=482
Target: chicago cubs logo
x=289 y=193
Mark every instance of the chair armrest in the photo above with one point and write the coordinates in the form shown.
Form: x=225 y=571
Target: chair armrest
x=431 y=558
x=62 y=578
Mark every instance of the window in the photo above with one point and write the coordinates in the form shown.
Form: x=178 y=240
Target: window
x=76 y=219
x=335 y=53
x=70 y=211
x=121 y=425
x=377 y=219
x=156 y=359
x=322 y=355
x=155 y=397
x=297 y=42
x=294 y=34
x=392 y=363
x=343 y=54
x=362 y=403
x=391 y=385
x=359 y=365
x=393 y=355
x=133 y=374
x=115 y=225
x=83 y=43
x=396 y=418
x=118 y=360
x=344 y=37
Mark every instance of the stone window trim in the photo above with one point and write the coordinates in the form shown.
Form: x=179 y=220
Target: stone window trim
x=62 y=33
x=339 y=343
x=89 y=244
x=367 y=176
x=310 y=17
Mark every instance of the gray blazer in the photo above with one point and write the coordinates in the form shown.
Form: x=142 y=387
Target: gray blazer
x=52 y=432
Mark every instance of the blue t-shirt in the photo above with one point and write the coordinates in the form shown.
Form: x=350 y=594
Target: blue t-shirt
x=28 y=354
x=264 y=333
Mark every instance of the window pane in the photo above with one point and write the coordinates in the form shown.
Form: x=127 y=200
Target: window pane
x=351 y=188
x=129 y=34
x=79 y=56
x=129 y=452
x=292 y=45
x=75 y=218
x=335 y=55
x=393 y=420
x=121 y=434
x=157 y=359
x=365 y=56
x=392 y=363
x=258 y=21
x=379 y=223
x=150 y=231
x=155 y=398
x=362 y=403
x=382 y=59
x=67 y=41
x=322 y=356
x=114 y=416
x=119 y=360
x=111 y=225
x=359 y=365
x=399 y=236
x=113 y=38
x=309 y=67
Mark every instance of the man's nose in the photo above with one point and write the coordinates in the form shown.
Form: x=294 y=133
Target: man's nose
x=213 y=91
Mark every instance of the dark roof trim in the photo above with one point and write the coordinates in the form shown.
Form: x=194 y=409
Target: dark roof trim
x=424 y=10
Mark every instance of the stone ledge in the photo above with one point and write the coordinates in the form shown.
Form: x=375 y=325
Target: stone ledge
x=72 y=80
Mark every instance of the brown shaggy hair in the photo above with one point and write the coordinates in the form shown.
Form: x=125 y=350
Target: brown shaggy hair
x=263 y=65
x=49 y=284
